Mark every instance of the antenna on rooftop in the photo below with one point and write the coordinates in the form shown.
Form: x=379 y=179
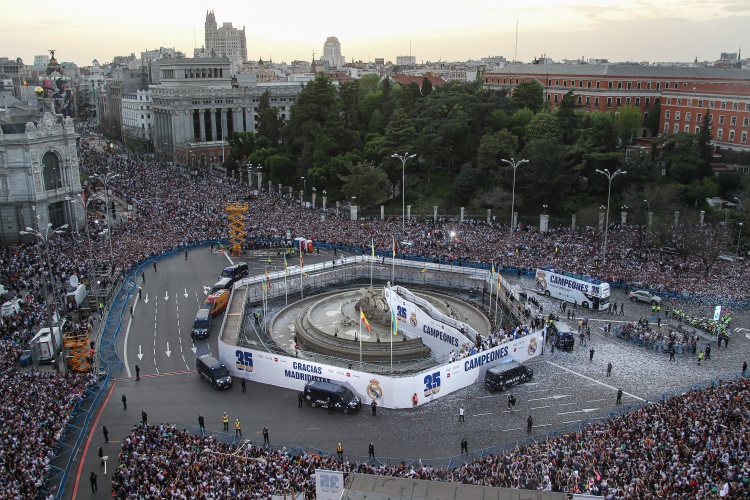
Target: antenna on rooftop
x=515 y=50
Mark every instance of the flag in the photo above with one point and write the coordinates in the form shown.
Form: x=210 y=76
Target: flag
x=25 y=84
x=373 y=248
x=394 y=248
x=286 y=266
x=423 y=270
x=301 y=260
x=268 y=279
x=492 y=271
x=363 y=318
x=265 y=290
x=394 y=321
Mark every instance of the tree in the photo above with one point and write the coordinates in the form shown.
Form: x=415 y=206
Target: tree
x=543 y=125
x=281 y=169
x=327 y=176
x=568 y=118
x=728 y=182
x=269 y=121
x=241 y=146
x=465 y=184
x=681 y=156
x=493 y=148
x=548 y=170
x=653 y=119
x=528 y=95
x=365 y=181
x=518 y=122
x=426 y=87
x=696 y=192
x=628 y=121
x=704 y=147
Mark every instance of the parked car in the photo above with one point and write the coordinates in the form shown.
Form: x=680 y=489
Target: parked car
x=644 y=296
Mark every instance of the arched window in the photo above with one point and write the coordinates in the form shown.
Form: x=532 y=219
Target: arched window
x=51 y=171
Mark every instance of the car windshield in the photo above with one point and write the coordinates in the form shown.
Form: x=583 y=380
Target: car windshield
x=229 y=272
x=200 y=323
x=347 y=395
x=221 y=372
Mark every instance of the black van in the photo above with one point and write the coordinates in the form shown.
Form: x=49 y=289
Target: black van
x=501 y=377
x=317 y=394
x=223 y=284
x=201 y=324
x=237 y=271
x=213 y=371
x=561 y=335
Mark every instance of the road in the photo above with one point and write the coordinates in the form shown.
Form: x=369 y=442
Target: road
x=567 y=387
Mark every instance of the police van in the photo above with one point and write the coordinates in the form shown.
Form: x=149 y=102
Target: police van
x=237 y=271
x=213 y=371
x=561 y=336
x=317 y=394
x=501 y=377
x=201 y=324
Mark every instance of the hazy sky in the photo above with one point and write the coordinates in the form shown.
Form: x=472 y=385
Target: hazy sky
x=645 y=30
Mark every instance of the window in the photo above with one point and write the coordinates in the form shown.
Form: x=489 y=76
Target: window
x=619 y=101
x=657 y=85
x=639 y=86
x=619 y=85
x=609 y=102
x=723 y=105
x=735 y=106
x=648 y=102
x=588 y=85
x=676 y=127
x=666 y=127
x=744 y=138
x=698 y=117
x=579 y=99
x=676 y=115
x=679 y=102
x=733 y=121
x=627 y=101
x=687 y=129
x=596 y=102
x=731 y=136
x=597 y=86
x=609 y=85
x=588 y=101
x=51 y=171
x=710 y=104
x=557 y=83
x=721 y=119
x=720 y=134
x=565 y=83
x=630 y=85
x=637 y=101
x=648 y=85
x=746 y=122
x=556 y=96
x=710 y=119
x=666 y=115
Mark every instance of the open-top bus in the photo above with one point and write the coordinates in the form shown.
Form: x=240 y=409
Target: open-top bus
x=586 y=292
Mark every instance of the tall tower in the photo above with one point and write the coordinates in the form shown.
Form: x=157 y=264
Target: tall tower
x=210 y=28
x=332 y=52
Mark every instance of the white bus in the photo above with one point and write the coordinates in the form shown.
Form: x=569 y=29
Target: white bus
x=586 y=292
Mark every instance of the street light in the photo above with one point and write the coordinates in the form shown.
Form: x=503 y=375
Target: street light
x=513 y=163
x=45 y=239
x=92 y=273
x=304 y=189
x=106 y=179
x=544 y=208
x=609 y=176
x=403 y=159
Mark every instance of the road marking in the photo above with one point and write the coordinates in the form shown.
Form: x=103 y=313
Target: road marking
x=593 y=380
x=481 y=414
x=313 y=429
x=585 y=410
x=555 y=397
x=514 y=429
x=550 y=406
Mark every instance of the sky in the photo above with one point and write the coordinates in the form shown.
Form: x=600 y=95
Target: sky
x=640 y=30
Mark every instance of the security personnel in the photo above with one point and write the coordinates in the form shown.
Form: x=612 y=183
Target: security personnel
x=340 y=452
x=371 y=450
x=225 y=420
x=414 y=400
x=237 y=427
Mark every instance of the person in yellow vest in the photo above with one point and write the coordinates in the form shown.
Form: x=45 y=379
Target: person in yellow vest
x=225 y=420
x=237 y=427
x=340 y=452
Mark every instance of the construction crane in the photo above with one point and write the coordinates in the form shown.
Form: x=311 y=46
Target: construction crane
x=237 y=233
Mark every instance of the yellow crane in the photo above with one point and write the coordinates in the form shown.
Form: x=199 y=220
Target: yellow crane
x=237 y=211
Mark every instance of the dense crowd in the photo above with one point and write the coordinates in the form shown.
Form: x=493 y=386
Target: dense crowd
x=691 y=446
x=173 y=208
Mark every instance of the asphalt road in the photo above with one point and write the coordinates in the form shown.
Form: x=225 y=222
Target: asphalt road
x=566 y=388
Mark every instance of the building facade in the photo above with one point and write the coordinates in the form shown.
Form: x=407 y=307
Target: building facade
x=332 y=52
x=608 y=87
x=728 y=108
x=196 y=107
x=137 y=119
x=39 y=171
x=225 y=41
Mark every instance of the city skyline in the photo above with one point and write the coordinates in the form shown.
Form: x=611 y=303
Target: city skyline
x=647 y=30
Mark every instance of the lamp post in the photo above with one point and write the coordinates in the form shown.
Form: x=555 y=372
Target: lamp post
x=609 y=176
x=403 y=159
x=106 y=179
x=515 y=164
x=304 y=189
x=45 y=239
x=314 y=192
x=92 y=273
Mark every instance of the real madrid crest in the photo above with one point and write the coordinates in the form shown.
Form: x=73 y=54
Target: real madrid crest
x=413 y=319
x=374 y=390
x=532 y=346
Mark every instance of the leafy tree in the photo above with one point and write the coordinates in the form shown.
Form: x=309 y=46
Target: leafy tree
x=426 y=87
x=373 y=150
x=365 y=181
x=369 y=83
x=498 y=120
x=281 y=169
x=400 y=134
x=654 y=119
x=548 y=169
x=270 y=122
x=543 y=125
x=493 y=148
x=681 y=156
x=241 y=145
x=328 y=176
x=568 y=118
x=528 y=95
x=350 y=97
x=465 y=184
x=519 y=120
x=728 y=182
x=628 y=121
x=704 y=146
x=697 y=191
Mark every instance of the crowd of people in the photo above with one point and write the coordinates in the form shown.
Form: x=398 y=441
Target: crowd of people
x=174 y=208
x=693 y=446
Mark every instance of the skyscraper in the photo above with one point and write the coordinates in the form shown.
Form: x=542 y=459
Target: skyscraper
x=332 y=52
x=226 y=41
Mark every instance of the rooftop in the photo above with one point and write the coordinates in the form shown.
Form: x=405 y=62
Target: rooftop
x=622 y=70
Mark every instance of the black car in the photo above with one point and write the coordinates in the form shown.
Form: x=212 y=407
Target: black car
x=561 y=336
x=237 y=271
x=318 y=393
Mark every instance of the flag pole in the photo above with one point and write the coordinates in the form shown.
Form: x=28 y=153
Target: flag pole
x=393 y=332
x=360 y=340
x=286 y=271
x=393 y=263
x=372 y=257
x=301 y=287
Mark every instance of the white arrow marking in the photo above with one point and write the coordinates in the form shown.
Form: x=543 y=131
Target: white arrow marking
x=186 y=294
x=168 y=351
x=585 y=410
x=166 y=295
x=206 y=289
x=551 y=397
x=194 y=349
x=146 y=301
x=140 y=353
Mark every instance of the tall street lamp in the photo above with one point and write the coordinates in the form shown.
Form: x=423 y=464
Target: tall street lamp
x=513 y=163
x=106 y=179
x=609 y=176
x=91 y=267
x=403 y=159
x=304 y=190
x=45 y=239
x=739 y=234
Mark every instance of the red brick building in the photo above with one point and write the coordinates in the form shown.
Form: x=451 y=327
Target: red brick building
x=728 y=106
x=607 y=87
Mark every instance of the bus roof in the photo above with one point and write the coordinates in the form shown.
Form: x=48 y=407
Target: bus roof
x=593 y=281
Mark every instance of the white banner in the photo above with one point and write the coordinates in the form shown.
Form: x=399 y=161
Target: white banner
x=329 y=484
x=389 y=392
